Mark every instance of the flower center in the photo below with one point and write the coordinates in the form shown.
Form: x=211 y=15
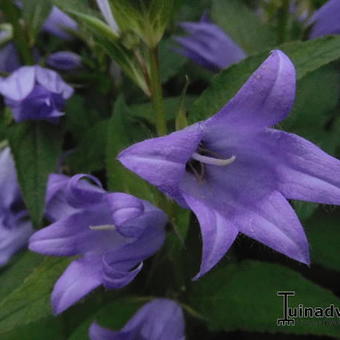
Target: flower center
x=212 y=160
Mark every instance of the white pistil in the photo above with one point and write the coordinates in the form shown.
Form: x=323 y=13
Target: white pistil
x=211 y=160
x=102 y=227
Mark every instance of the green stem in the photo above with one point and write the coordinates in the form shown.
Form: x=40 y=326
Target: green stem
x=283 y=18
x=156 y=92
x=19 y=33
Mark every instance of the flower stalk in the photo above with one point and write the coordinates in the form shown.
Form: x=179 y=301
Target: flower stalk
x=156 y=92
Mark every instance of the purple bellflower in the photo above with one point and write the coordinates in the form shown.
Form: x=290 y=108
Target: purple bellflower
x=160 y=319
x=35 y=93
x=15 y=227
x=236 y=173
x=59 y=24
x=64 y=60
x=9 y=58
x=326 y=20
x=208 y=45
x=111 y=233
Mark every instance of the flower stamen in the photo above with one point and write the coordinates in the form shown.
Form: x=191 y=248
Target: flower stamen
x=211 y=160
x=103 y=227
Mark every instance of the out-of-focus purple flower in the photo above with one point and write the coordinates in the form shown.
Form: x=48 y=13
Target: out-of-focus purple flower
x=15 y=227
x=326 y=20
x=35 y=93
x=208 y=45
x=9 y=59
x=58 y=23
x=112 y=232
x=64 y=60
x=236 y=173
x=160 y=319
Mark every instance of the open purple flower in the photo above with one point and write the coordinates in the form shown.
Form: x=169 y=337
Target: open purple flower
x=326 y=20
x=15 y=227
x=160 y=319
x=208 y=45
x=35 y=93
x=112 y=233
x=236 y=173
x=59 y=24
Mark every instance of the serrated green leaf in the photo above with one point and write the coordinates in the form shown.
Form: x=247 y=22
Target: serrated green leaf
x=243 y=297
x=30 y=301
x=243 y=25
x=123 y=131
x=307 y=57
x=35 y=13
x=324 y=236
x=36 y=147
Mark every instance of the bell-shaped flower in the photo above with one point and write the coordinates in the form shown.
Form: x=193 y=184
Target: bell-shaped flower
x=236 y=173
x=35 y=93
x=326 y=20
x=208 y=45
x=60 y=24
x=64 y=60
x=111 y=233
x=15 y=227
x=160 y=319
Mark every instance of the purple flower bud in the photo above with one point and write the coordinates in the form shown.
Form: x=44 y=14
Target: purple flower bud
x=111 y=233
x=160 y=319
x=9 y=58
x=15 y=227
x=64 y=60
x=58 y=23
x=208 y=45
x=35 y=93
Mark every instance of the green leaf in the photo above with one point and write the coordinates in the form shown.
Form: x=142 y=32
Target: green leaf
x=324 y=236
x=30 y=301
x=36 y=147
x=170 y=62
x=19 y=268
x=307 y=57
x=48 y=328
x=171 y=107
x=243 y=297
x=90 y=154
x=35 y=13
x=243 y=25
x=112 y=316
x=123 y=131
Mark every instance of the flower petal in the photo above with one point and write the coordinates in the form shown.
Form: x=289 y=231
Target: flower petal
x=326 y=20
x=160 y=319
x=273 y=222
x=161 y=161
x=79 y=278
x=58 y=23
x=305 y=171
x=97 y=332
x=9 y=192
x=264 y=100
x=19 y=84
x=72 y=235
x=51 y=81
x=106 y=11
x=218 y=234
